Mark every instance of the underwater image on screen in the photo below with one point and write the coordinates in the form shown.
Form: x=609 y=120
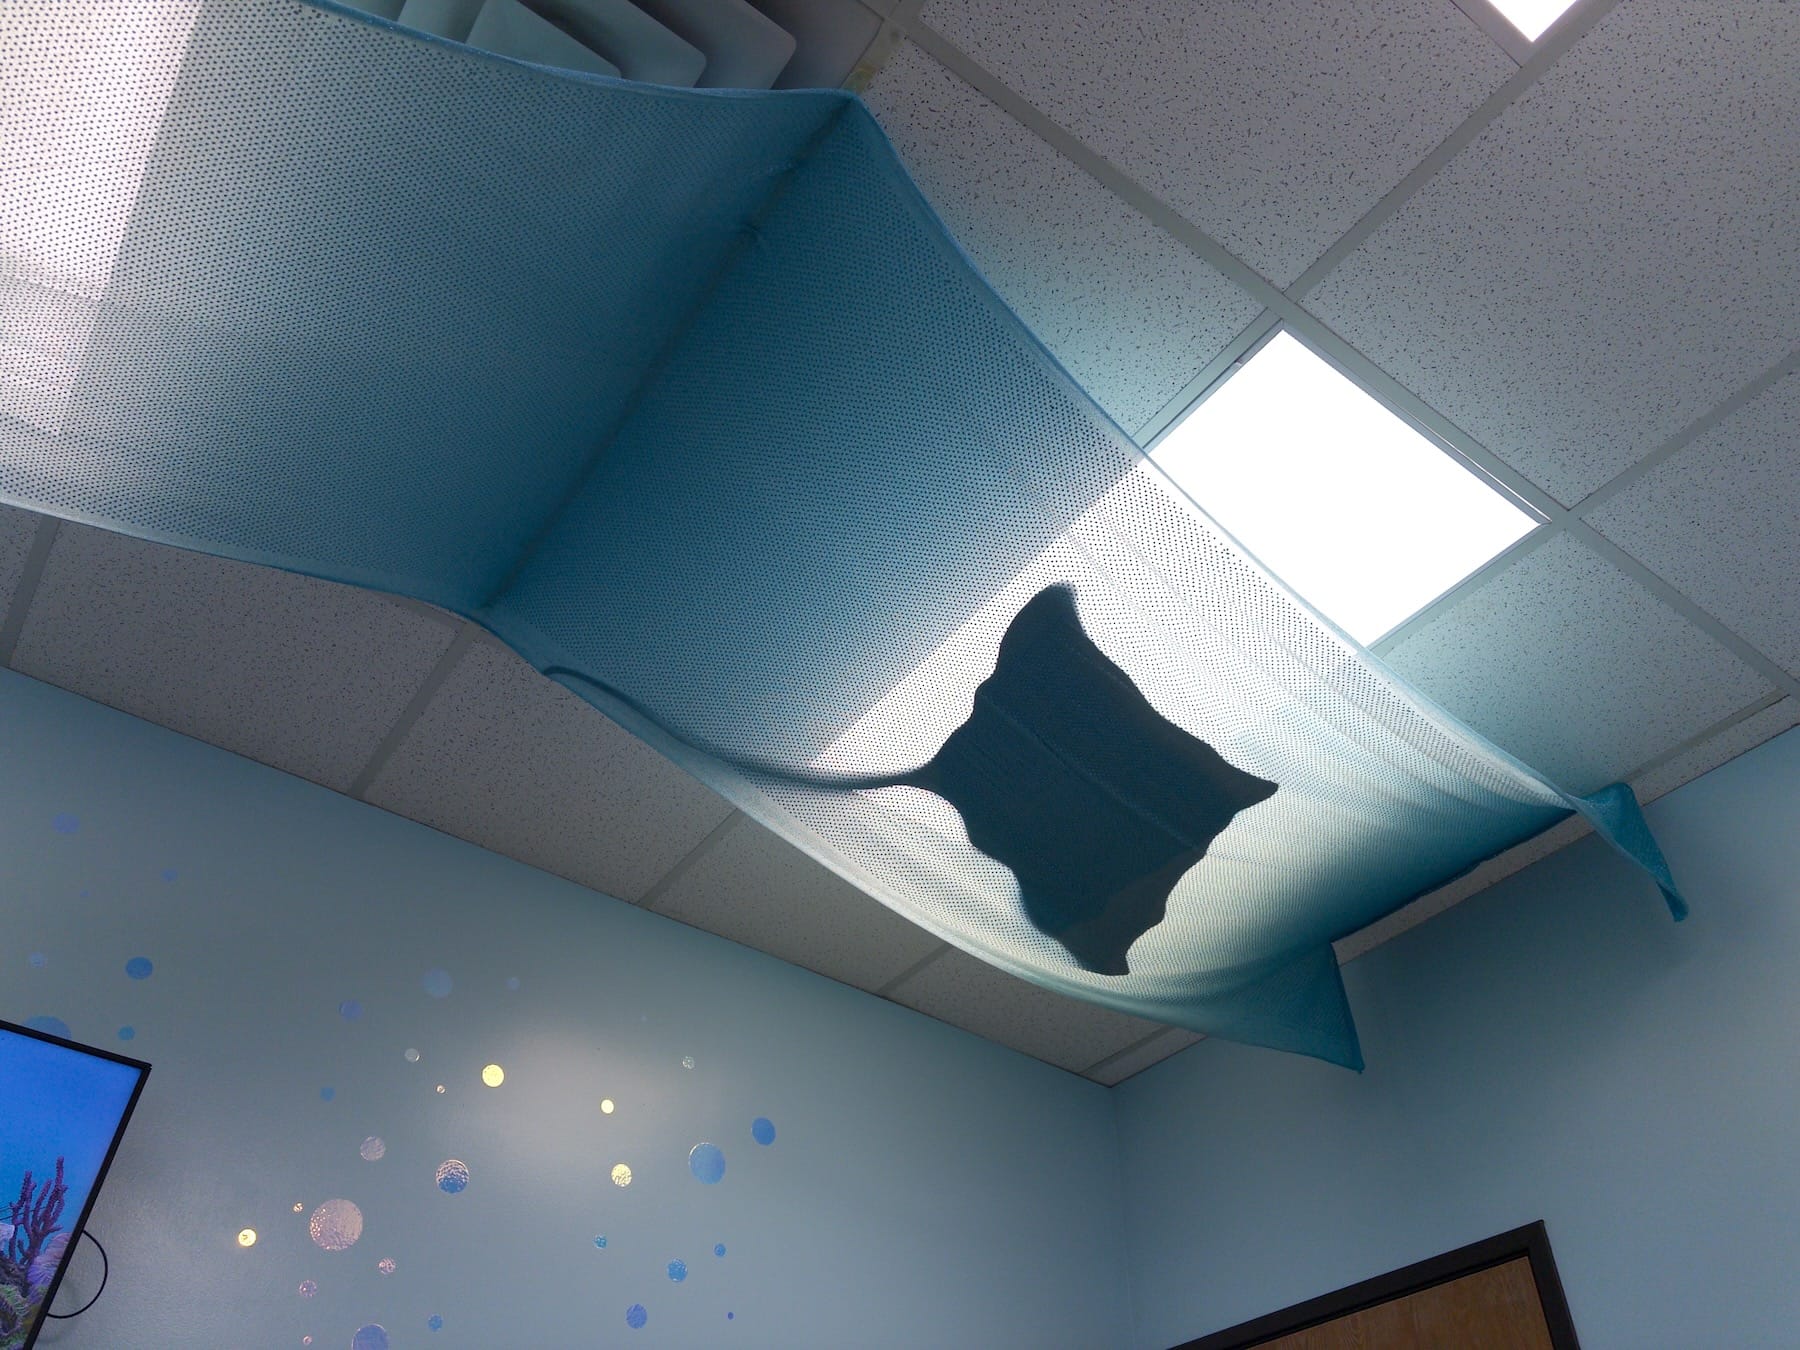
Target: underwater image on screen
x=61 y=1108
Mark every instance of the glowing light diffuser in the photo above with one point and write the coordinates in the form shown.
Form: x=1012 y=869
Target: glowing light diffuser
x=1532 y=17
x=1352 y=508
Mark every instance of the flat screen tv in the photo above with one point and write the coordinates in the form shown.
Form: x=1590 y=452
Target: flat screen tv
x=63 y=1109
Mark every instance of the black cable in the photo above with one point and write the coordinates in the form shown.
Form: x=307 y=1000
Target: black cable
x=105 y=1270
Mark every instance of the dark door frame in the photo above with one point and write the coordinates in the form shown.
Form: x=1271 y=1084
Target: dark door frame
x=1532 y=1241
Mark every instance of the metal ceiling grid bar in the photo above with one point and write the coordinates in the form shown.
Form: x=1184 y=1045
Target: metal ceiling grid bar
x=1496 y=25
x=1546 y=51
x=26 y=590
x=1700 y=738
x=1210 y=376
x=466 y=635
x=1480 y=577
x=1131 y=1049
x=685 y=863
x=930 y=958
x=1692 y=432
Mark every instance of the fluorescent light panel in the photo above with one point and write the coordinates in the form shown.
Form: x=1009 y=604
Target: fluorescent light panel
x=1531 y=17
x=1356 y=511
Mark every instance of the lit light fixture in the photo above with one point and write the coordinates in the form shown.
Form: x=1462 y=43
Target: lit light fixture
x=1531 y=17
x=1356 y=511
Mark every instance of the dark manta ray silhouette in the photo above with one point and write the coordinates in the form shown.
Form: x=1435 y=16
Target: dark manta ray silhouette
x=1065 y=774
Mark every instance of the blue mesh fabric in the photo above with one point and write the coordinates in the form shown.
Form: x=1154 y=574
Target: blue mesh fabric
x=690 y=398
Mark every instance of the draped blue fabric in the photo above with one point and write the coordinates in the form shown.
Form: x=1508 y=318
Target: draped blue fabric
x=690 y=398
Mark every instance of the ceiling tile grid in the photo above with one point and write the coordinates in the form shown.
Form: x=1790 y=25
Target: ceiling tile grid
x=1130 y=311
x=1112 y=1071
x=1574 y=667
x=959 y=989
x=295 y=672
x=755 y=888
x=512 y=761
x=1273 y=127
x=1611 y=257
x=1717 y=520
x=17 y=530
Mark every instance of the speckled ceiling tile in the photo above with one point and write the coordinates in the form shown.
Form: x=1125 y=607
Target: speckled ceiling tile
x=1613 y=256
x=1717 y=519
x=1574 y=667
x=1129 y=311
x=514 y=762
x=1272 y=126
x=958 y=989
x=302 y=674
x=17 y=530
x=1172 y=1040
x=758 y=889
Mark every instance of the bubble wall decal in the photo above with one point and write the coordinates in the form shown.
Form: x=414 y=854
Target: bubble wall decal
x=64 y=823
x=440 y=1089
x=762 y=1129
x=38 y=960
x=371 y=1337
x=678 y=1271
x=308 y=1288
x=718 y=1249
x=50 y=1026
x=387 y=1265
x=350 y=1010
x=412 y=1056
x=169 y=874
x=512 y=982
x=621 y=1175
x=246 y=1237
x=600 y=1242
x=493 y=1075
x=327 y=1093
x=635 y=1316
x=437 y=983
x=306 y=1340
x=452 y=1176
x=127 y=1033
x=373 y=1149
x=336 y=1225
x=606 y=1106
x=435 y=1322
x=139 y=968
x=298 y=1206
x=707 y=1163
x=687 y=1061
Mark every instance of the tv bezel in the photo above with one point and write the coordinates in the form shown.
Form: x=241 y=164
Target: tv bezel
x=80 y=1225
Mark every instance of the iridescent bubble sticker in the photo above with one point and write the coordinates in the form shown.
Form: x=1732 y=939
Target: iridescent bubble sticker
x=762 y=1129
x=308 y=1288
x=373 y=1149
x=437 y=983
x=606 y=1106
x=730 y=1316
x=127 y=1033
x=327 y=1093
x=50 y=1026
x=306 y=1340
x=435 y=1322
x=246 y=1237
x=452 y=1176
x=512 y=982
x=440 y=1089
x=335 y=1225
x=493 y=1075
x=139 y=968
x=678 y=1271
x=621 y=1175
x=298 y=1206
x=386 y=1265
x=687 y=1061
x=600 y=1242
x=718 y=1249
x=169 y=874
x=412 y=1056
x=707 y=1163
x=371 y=1337
x=635 y=1316
x=350 y=1010
x=64 y=823
x=38 y=960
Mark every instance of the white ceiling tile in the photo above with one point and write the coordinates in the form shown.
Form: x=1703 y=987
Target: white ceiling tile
x=1130 y=312
x=1272 y=126
x=17 y=530
x=757 y=889
x=1717 y=519
x=1574 y=667
x=1137 y=1058
x=299 y=673
x=1613 y=256
x=1739 y=738
x=958 y=989
x=514 y=762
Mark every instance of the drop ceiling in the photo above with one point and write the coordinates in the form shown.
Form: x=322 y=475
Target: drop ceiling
x=1571 y=261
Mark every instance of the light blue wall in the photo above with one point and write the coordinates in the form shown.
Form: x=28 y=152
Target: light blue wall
x=1553 y=1048
x=924 y=1187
